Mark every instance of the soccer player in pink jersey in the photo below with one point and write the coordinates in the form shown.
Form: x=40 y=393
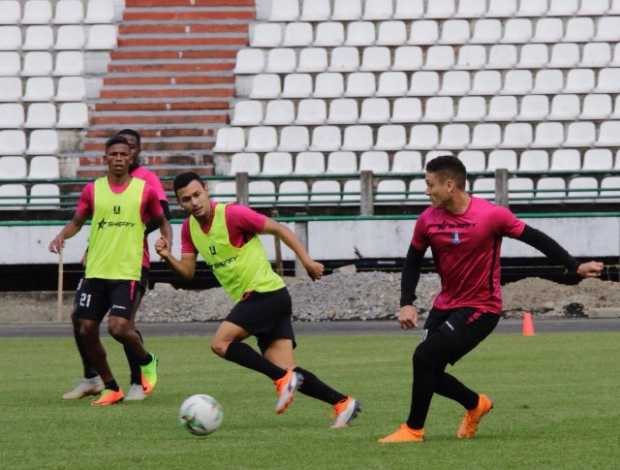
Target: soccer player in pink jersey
x=464 y=234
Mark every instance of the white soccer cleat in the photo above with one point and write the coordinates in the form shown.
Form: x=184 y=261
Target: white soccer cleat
x=135 y=393
x=86 y=387
x=346 y=411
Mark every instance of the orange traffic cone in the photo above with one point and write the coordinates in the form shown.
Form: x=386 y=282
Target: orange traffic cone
x=528 y=324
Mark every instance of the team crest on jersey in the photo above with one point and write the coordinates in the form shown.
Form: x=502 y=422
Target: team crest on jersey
x=455 y=238
x=212 y=250
x=116 y=210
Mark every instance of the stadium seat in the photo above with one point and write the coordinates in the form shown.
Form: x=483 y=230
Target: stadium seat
x=417 y=190
x=454 y=136
x=38 y=38
x=360 y=84
x=12 y=168
x=391 y=190
x=288 y=192
x=101 y=36
x=440 y=9
x=548 y=82
x=616 y=114
x=284 y=10
x=376 y=59
x=406 y=110
x=551 y=187
x=73 y=116
x=11 y=116
x=564 y=55
x=439 y=58
x=593 y=7
x=439 y=109
x=377 y=10
x=517 y=31
x=278 y=163
x=609 y=134
x=262 y=139
x=247 y=113
x=424 y=84
x=502 y=56
x=298 y=85
x=534 y=56
x=533 y=8
x=344 y=59
x=245 y=163
x=281 y=61
x=262 y=192
x=407 y=58
x=343 y=111
x=265 y=86
x=534 y=160
x=391 y=137
x=534 y=108
x=502 y=8
x=99 y=11
x=596 y=54
x=409 y=9
x=609 y=186
x=360 y=33
x=580 y=81
x=44 y=167
x=598 y=159
x=12 y=196
x=43 y=142
x=10 y=64
x=608 y=29
x=454 y=32
x=502 y=108
x=37 y=12
x=564 y=107
x=351 y=191
x=520 y=188
x=250 y=61
x=10 y=38
x=377 y=162
x=326 y=139
x=71 y=89
x=44 y=196
x=69 y=12
x=423 y=136
x=582 y=187
x=325 y=191
x=375 y=110
x=69 y=63
x=37 y=64
x=502 y=159
x=486 y=136
x=348 y=10
x=548 y=135
x=391 y=33
x=316 y=10
x=39 y=89
x=548 y=30
x=487 y=31
x=311 y=112
x=341 y=163
x=565 y=160
x=472 y=57
x=266 y=35
x=474 y=160
x=487 y=82
x=229 y=140
x=309 y=163
x=10 y=12
x=224 y=191
x=484 y=188
x=407 y=161
x=517 y=82
x=41 y=115
x=329 y=34
x=329 y=85
x=563 y=7
x=357 y=138
x=298 y=35
x=294 y=139
x=579 y=30
x=312 y=59
x=70 y=37
x=608 y=80
x=471 y=108
x=424 y=32
x=392 y=84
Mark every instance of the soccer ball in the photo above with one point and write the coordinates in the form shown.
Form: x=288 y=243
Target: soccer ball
x=201 y=414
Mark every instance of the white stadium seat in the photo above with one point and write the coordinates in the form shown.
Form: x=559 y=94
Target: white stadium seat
x=548 y=30
x=391 y=33
x=37 y=64
x=440 y=9
x=551 y=187
x=534 y=108
x=548 y=135
x=407 y=161
x=360 y=33
x=316 y=10
x=392 y=84
x=245 y=163
x=224 y=191
x=43 y=142
x=472 y=57
x=534 y=160
x=284 y=10
x=609 y=134
x=39 y=89
x=565 y=160
x=487 y=82
x=581 y=81
x=294 y=139
x=70 y=37
x=593 y=7
x=360 y=84
x=298 y=35
x=455 y=32
x=520 y=188
x=564 y=55
x=423 y=136
x=99 y=11
x=357 y=138
x=37 y=12
x=439 y=58
x=471 y=108
x=344 y=59
x=598 y=159
x=277 y=163
x=10 y=64
x=297 y=85
x=265 y=35
x=377 y=162
x=349 y=10
x=406 y=110
x=281 y=61
x=69 y=63
x=487 y=31
x=44 y=167
x=596 y=54
x=11 y=116
x=250 y=61
x=247 y=113
x=579 y=30
x=596 y=106
x=391 y=190
x=351 y=191
x=341 y=162
x=391 y=137
x=608 y=29
x=417 y=190
x=484 y=188
x=10 y=12
x=41 y=115
x=265 y=86
x=454 y=136
x=44 y=196
x=12 y=196
x=229 y=140
x=582 y=187
x=326 y=139
x=311 y=111
x=101 y=36
x=517 y=82
x=71 y=89
x=502 y=56
x=424 y=84
x=38 y=38
x=262 y=192
x=439 y=109
x=502 y=8
x=502 y=108
x=564 y=107
x=325 y=191
x=73 y=116
x=377 y=10
x=407 y=58
x=608 y=80
x=609 y=186
x=329 y=34
x=424 y=32
x=343 y=111
x=502 y=159
x=289 y=192
x=312 y=59
x=409 y=9
x=309 y=163
x=12 y=168
x=534 y=56
x=517 y=31
x=533 y=8
x=473 y=160
x=563 y=7
x=69 y=12
x=375 y=110
x=548 y=81
x=486 y=136
x=329 y=85
x=262 y=139
x=376 y=59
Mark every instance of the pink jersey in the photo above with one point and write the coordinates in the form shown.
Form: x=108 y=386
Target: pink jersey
x=241 y=221
x=150 y=208
x=151 y=179
x=466 y=251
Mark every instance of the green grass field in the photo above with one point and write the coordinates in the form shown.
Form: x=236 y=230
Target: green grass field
x=556 y=407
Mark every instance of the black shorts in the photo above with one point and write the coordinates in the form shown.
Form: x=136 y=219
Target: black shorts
x=95 y=297
x=457 y=331
x=266 y=315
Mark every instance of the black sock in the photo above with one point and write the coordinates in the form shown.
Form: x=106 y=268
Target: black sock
x=134 y=366
x=449 y=387
x=89 y=371
x=112 y=385
x=145 y=361
x=315 y=388
x=245 y=356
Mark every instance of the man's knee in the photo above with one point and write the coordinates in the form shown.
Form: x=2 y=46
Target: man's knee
x=220 y=346
x=87 y=329
x=422 y=357
x=118 y=328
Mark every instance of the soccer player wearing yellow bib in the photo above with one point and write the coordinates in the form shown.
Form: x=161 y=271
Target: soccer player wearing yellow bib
x=120 y=208
x=226 y=236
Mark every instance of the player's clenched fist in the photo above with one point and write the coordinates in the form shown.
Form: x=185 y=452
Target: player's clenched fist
x=163 y=248
x=408 y=317
x=315 y=270
x=57 y=244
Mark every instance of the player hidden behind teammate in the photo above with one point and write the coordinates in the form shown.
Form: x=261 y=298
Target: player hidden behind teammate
x=225 y=235
x=464 y=234
x=91 y=383
x=120 y=207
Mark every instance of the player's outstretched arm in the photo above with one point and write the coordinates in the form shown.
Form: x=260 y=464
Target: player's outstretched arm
x=68 y=231
x=185 y=267
x=408 y=314
x=165 y=229
x=314 y=269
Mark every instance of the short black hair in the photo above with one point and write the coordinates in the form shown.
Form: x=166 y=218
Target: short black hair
x=449 y=166
x=184 y=179
x=116 y=139
x=133 y=133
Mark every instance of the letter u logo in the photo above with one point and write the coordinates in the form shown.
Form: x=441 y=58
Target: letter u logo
x=117 y=209
x=212 y=250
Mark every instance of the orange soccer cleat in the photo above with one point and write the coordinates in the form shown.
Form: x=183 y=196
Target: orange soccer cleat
x=404 y=434
x=109 y=397
x=472 y=418
x=286 y=388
